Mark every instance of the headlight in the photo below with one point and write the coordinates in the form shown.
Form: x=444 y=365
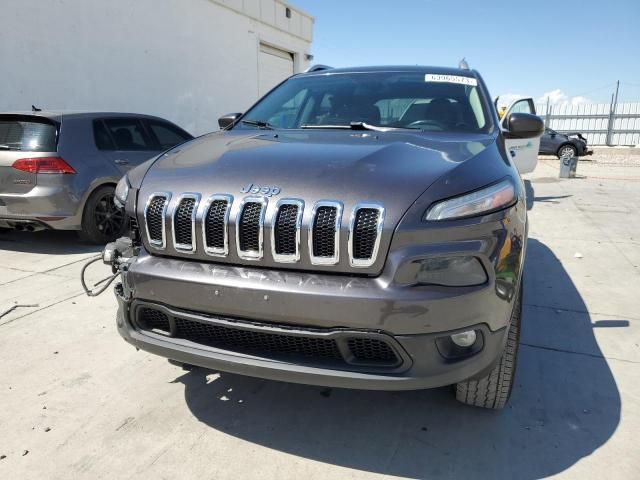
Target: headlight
x=494 y=197
x=122 y=192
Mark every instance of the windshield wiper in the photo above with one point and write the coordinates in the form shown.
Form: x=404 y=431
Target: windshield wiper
x=8 y=147
x=357 y=126
x=257 y=123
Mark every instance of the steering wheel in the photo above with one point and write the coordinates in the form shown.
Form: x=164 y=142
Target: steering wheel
x=430 y=123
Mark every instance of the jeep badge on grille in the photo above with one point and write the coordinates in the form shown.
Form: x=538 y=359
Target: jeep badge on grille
x=257 y=189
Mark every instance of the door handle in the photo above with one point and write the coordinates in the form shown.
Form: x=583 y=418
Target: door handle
x=121 y=162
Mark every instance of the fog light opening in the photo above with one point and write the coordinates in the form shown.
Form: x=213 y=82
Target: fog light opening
x=461 y=345
x=464 y=339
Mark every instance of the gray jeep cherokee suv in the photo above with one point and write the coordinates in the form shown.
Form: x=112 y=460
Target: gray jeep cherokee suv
x=358 y=228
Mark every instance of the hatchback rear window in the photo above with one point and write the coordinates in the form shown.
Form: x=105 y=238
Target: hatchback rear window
x=27 y=135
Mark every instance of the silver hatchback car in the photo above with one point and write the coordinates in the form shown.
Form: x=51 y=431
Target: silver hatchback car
x=59 y=171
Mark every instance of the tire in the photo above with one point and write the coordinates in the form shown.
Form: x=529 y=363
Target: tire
x=493 y=390
x=102 y=221
x=569 y=149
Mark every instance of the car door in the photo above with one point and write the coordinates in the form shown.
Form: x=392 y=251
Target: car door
x=124 y=141
x=523 y=151
x=546 y=141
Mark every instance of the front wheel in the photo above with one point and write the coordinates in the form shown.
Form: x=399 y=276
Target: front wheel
x=493 y=391
x=102 y=221
x=567 y=151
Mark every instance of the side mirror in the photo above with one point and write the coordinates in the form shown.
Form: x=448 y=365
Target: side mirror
x=228 y=120
x=523 y=125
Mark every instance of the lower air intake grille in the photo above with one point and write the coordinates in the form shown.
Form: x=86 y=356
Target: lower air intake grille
x=249 y=227
x=183 y=222
x=340 y=349
x=365 y=233
x=369 y=350
x=151 y=319
x=215 y=224
x=155 y=212
x=286 y=230
x=245 y=341
x=324 y=225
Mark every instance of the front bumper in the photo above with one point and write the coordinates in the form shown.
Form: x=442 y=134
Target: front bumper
x=583 y=149
x=423 y=366
x=409 y=319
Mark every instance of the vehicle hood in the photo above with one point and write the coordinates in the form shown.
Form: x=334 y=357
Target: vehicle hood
x=576 y=136
x=392 y=168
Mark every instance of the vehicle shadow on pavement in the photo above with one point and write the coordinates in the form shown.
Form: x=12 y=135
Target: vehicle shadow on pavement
x=51 y=242
x=564 y=406
x=531 y=198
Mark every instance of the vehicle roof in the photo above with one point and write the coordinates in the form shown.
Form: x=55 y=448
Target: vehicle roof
x=399 y=68
x=59 y=115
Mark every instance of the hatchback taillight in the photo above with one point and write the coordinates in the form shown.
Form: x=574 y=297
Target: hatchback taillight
x=43 y=165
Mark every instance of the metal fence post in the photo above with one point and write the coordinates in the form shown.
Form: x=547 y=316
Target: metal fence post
x=612 y=114
x=546 y=116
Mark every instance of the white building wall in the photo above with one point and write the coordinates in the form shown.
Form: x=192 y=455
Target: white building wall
x=189 y=61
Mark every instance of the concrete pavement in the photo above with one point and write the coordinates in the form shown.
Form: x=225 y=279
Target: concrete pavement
x=77 y=402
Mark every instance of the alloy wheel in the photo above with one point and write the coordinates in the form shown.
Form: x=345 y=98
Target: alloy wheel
x=567 y=152
x=108 y=218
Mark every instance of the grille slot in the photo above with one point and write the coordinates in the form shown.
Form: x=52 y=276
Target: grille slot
x=215 y=230
x=325 y=233
x=184 y=223
x=249 y=228
x=285 y=239
x=365 y=233
x=286 y=230
x=324 y=241
x=371 y=350
x=155 y=219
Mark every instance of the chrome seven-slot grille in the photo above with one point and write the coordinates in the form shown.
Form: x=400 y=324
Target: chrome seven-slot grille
x=365 y=228
x=276 y=342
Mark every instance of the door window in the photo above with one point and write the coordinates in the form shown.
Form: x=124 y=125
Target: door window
x=522 y=106
x=128 y=134
x=101 y=136
x=167 y=134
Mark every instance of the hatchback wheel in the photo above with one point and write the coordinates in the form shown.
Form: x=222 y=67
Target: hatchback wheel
x=102 y=221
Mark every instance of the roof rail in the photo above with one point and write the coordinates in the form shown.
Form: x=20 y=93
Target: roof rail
x=317 y=68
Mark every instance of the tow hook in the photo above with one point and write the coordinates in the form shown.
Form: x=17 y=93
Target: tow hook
x=118 y=255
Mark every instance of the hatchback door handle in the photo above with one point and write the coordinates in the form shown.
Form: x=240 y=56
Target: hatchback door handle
x=121 y=162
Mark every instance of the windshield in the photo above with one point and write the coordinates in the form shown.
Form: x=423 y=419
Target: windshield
x=414 y=100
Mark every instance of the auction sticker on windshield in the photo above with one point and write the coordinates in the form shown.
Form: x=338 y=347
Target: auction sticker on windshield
x=432 y=77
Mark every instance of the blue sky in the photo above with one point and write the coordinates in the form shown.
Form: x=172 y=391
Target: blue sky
x=574 y=51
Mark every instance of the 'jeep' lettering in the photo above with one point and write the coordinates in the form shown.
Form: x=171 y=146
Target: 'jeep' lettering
x=267 y=191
